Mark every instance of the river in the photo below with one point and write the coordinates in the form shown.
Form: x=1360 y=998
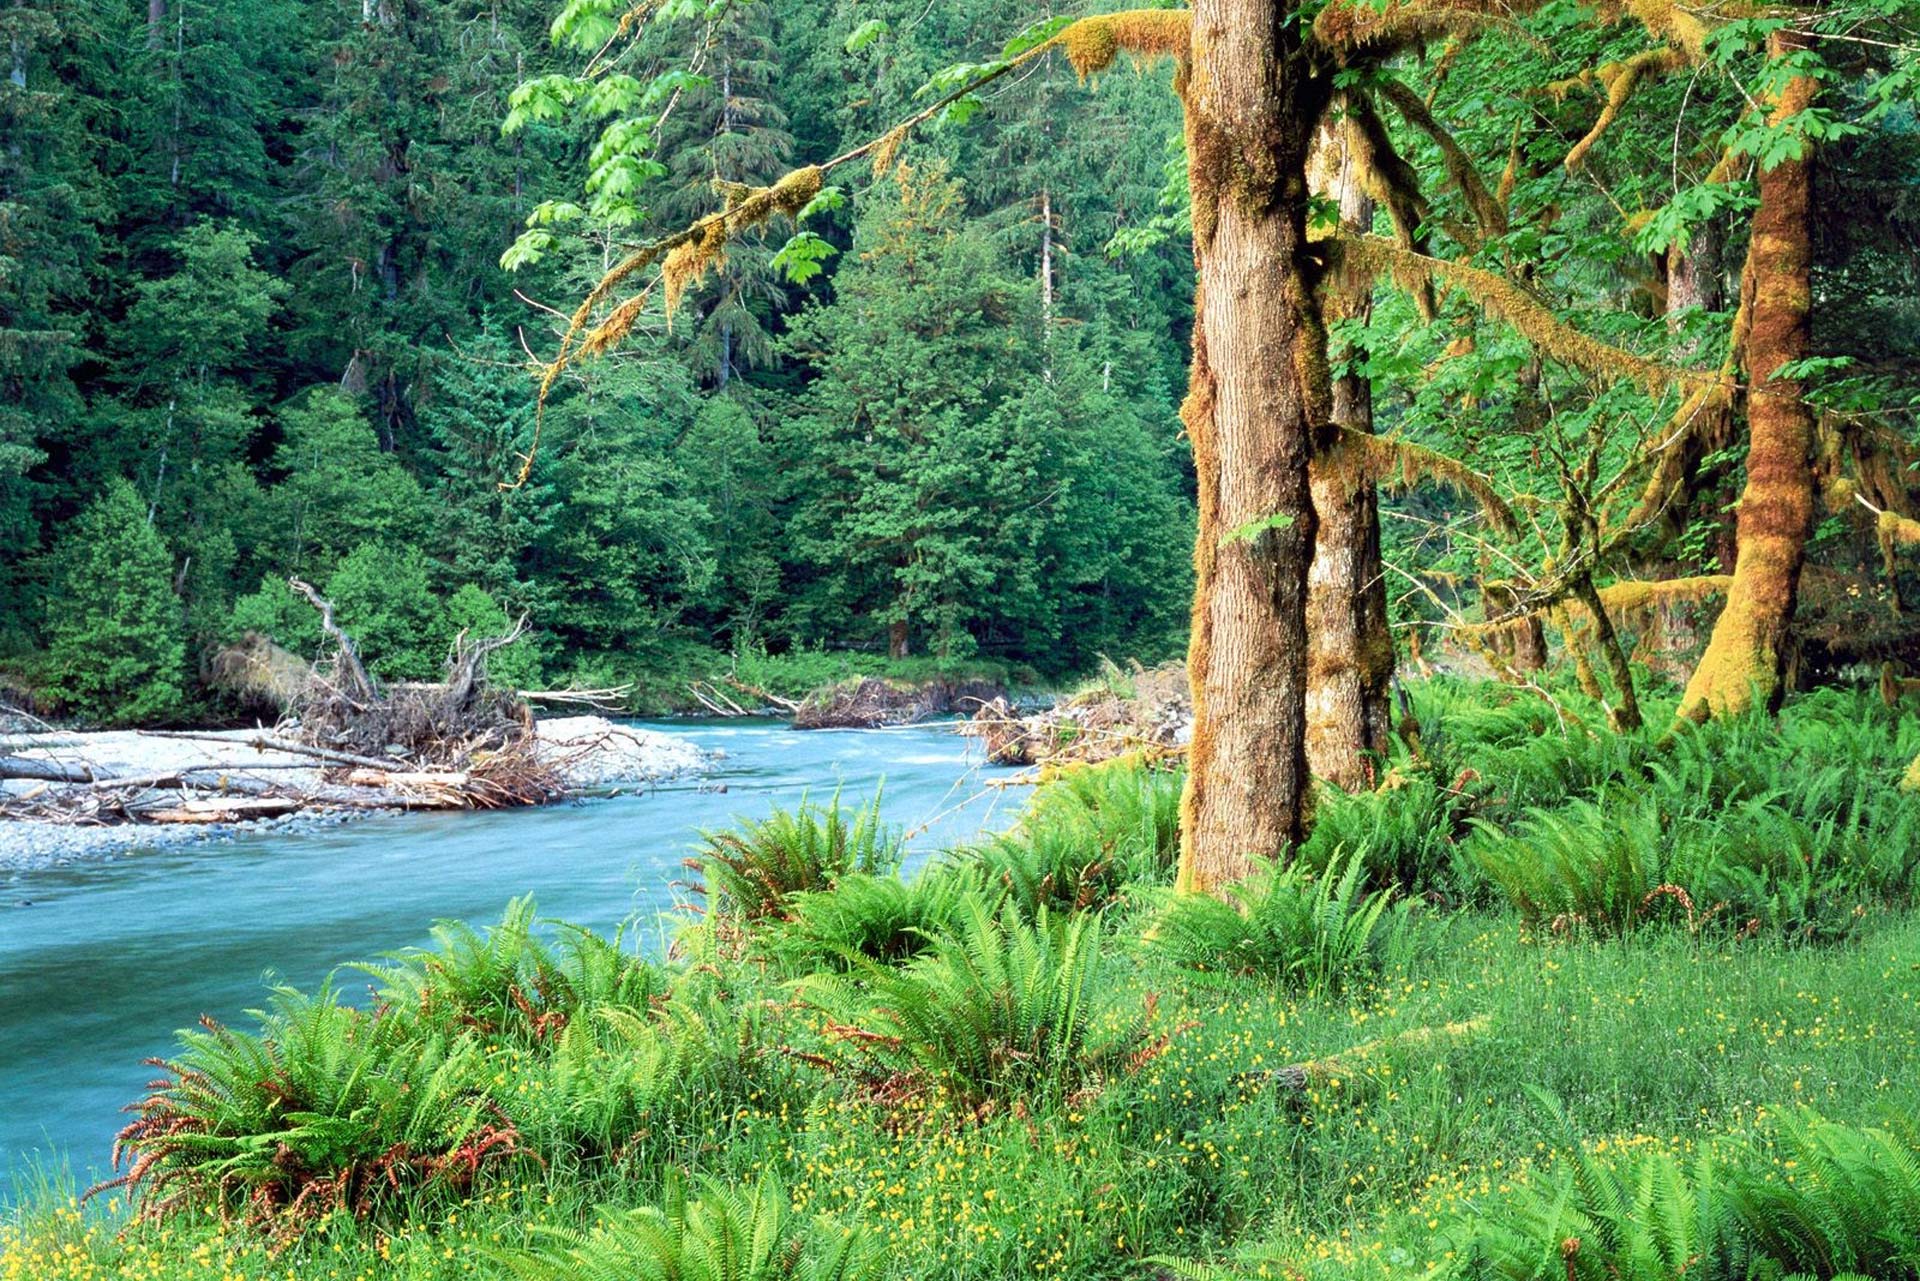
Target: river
x=101 y=961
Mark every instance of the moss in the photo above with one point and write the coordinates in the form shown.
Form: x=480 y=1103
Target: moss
x=1402 y=464
x=1487 y=212
x=1666 y=20
x=1620 y=79
x=1528 y=316
x=1092 y=44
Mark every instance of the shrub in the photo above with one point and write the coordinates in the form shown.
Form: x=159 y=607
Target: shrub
x=998 y=1009
x=1313 y=930
x=725 y=1235
x=753 y=871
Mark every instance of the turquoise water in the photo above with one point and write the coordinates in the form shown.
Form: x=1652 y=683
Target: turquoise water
x=112 y=956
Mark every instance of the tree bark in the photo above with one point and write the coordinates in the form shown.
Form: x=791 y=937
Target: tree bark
x=1258 y=386
x=897 y=639
x=1745 y=656
x=1349 y=650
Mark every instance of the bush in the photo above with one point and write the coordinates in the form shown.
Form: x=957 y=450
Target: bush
x=1313 y=930
x=753 y=871
x=998 y=1009
x=725 y=1235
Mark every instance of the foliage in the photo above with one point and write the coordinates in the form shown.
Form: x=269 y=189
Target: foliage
x=1089 y=835
x=723 y=1234
x=1821 y=1200
x=753 y=872
x=997 y=1010
x=865 y=917
x=328 y=1108
x=1315 y=931
x=115 y=652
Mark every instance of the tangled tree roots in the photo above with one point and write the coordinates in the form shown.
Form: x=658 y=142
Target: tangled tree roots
x=479 y=735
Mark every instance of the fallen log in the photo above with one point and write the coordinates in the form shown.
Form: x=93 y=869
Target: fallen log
x=1343 y=1065
x=39 y=771
x=237 y=810
x=273 y=743
x=407 y=778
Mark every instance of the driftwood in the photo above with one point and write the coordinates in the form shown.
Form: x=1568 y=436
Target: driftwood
x=236 y=810
x=276 y=743
x=352 y=670
x=38 y=771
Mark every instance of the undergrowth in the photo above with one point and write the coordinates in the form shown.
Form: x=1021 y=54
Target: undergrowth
x=1668 y=1011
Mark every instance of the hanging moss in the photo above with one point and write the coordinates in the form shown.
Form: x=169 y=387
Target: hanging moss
x=1527 y=315
x=1401 y=464
x=1460 y=169
x=1666 y=20
x=1351 y=29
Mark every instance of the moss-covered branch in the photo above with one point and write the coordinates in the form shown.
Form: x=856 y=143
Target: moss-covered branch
x=1529 y=316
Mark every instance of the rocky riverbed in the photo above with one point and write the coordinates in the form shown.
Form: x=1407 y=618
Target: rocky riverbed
x=593 y=754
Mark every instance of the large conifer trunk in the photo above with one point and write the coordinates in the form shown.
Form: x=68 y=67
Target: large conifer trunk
x=1743 y=659
x=1349 y=651
x=1259 y=383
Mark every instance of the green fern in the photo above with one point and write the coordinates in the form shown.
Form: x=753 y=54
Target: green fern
x=725 y=1234
x=753 y=871
x=998 y=1009
x=1310 y=930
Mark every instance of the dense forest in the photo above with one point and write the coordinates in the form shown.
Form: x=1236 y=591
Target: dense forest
x=254 y=323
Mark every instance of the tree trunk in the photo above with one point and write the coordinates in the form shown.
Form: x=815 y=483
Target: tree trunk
x=1743 y=661
x=897 y=639
x=1258 y=385
x=1349 y=651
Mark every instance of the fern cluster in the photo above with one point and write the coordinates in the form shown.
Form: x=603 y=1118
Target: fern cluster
x=753 y=871
x=1088 y=837
x=1309 y=930
x=1829 y=1201
x=723 y=1234
x=492 y=1048
x=997 y=1009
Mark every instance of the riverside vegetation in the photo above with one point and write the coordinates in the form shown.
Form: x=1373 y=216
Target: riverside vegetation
x=1553 y=1003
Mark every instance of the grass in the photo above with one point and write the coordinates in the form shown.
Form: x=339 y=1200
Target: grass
x=980 y=1076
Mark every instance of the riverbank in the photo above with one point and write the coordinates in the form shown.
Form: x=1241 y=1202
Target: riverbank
x=592 y=754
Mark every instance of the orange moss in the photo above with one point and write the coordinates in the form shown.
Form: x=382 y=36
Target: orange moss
x=1487 y=212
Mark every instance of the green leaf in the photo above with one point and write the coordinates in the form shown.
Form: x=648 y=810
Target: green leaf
x=866 y=33
x=803 y=257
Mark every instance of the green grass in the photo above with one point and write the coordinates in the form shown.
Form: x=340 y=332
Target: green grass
x=980 y=1076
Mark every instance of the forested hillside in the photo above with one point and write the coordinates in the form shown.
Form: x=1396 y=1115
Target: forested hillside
x=254 y=323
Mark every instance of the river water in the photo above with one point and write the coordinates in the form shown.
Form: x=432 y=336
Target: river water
x=101 y=961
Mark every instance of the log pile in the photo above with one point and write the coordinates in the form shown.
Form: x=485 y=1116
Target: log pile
x=1137 y=710
x=346 y=742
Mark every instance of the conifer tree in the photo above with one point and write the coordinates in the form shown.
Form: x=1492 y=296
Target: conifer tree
x=115 y=652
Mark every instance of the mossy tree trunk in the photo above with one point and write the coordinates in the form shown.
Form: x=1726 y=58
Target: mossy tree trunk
x=1258 y=387
x=1744 y=658
x=1349 y=650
